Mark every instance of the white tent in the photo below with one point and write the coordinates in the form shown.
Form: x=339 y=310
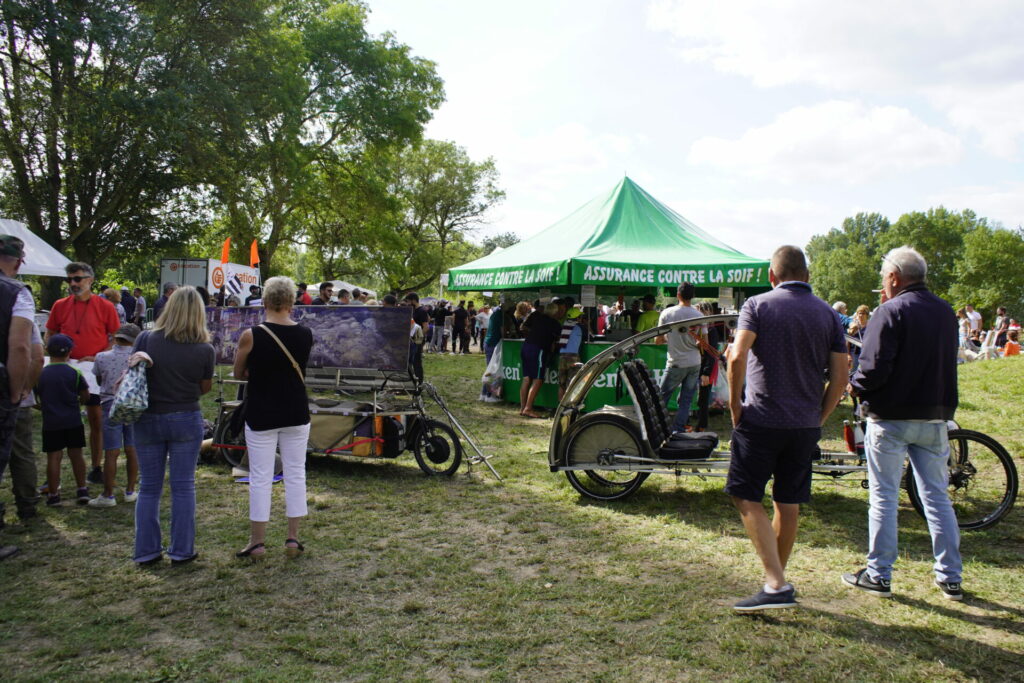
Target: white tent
x=40 y=257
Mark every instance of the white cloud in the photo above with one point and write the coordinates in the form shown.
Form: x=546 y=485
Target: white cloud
x=832 y=141
x=1004 y=203
x=968 y=58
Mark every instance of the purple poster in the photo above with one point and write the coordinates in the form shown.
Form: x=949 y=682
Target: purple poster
x=363 y=337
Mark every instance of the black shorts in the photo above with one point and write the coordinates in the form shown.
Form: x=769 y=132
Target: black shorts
x=760 y=453
x=94 y=400
x=59 y=439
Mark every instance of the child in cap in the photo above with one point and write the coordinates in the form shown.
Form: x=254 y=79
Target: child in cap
x=109 y=368
x=61 y=391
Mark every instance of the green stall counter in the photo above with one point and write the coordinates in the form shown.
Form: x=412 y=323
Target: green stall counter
x=605 y=390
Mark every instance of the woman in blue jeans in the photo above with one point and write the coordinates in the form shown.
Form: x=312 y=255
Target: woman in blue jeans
x=180 y=363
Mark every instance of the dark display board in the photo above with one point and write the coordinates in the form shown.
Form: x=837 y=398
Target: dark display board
x=355 y=337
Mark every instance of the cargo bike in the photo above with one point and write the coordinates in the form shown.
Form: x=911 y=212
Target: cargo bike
x=608 y=454
x=367 y=414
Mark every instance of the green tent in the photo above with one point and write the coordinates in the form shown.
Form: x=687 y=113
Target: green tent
x=623 y=242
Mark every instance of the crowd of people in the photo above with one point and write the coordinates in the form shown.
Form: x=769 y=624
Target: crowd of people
x=779 y=396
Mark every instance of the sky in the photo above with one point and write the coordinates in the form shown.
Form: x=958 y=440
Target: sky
x=764 y=123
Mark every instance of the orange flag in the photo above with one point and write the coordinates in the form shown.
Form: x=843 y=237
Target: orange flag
x=254 y=255
x=225 y=251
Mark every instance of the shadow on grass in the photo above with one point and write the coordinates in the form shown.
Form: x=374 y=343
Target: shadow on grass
x=1010 y=625
x=830 y=519
x=970 y=657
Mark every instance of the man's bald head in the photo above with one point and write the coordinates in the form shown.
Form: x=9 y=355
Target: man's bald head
x=788 y=263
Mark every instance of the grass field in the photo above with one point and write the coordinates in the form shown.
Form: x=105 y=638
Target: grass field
x=407 y=577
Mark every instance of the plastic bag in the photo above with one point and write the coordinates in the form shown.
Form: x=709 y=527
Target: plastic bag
x=492 y=379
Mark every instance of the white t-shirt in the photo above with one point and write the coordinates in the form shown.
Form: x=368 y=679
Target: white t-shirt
x=24 y=307
x=683 y=350
x=37 y=338
x=975 y=319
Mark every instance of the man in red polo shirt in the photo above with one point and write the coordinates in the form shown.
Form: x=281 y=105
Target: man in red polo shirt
x=90 y=321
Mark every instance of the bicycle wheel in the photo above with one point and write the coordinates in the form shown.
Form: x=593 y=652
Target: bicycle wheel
x=982 y=480
x=230 y=449
x=599 y=436
x=437 y=449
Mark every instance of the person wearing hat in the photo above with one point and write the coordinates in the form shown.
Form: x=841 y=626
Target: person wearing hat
x=61 y=389
x=109 y=367
x=89 y=321
x=17 y=312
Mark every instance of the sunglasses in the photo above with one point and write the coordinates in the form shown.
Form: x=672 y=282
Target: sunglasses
x=77 y=278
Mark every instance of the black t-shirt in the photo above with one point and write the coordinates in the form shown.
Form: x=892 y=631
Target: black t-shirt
x=277 y=397
x=421 y=316
x=459 y=319
x=439 y=315
x=544 y=330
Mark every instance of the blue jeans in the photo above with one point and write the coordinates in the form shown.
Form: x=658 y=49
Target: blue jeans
x=687 y=377
x=161 y=439
x=887 y=443
x=489 y=351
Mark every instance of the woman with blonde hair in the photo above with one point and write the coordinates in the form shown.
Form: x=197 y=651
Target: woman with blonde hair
x=273 y=358
x=180 y=363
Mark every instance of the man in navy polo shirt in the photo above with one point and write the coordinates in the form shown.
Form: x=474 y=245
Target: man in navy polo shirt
x=791 y=336
x=907 y=380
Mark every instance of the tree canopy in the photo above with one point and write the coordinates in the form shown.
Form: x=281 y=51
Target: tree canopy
x=969 y=261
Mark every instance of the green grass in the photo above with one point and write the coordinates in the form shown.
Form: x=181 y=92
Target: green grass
x=409 y=577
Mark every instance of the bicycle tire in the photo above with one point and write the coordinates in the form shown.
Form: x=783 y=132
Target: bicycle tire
x=983 y=481
x=229 y=450
x=596 y=433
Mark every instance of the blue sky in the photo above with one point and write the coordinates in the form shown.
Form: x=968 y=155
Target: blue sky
x=762 y=122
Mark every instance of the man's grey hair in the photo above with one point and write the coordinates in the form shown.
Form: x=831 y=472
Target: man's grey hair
x=906 y=261
x=839 y=306
x=170 y=287
x=79 y=267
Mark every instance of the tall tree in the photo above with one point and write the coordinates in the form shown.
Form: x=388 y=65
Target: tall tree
x=502 y=240
x=844 y=262
x=99 y=103
x=989 y=274
x=335 y=90
x=938 y=234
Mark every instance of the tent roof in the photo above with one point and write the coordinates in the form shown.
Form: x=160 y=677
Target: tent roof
x=40 y=257
x=624 y=240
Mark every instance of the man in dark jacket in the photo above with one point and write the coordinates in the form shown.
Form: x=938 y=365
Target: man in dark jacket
x=907 y=380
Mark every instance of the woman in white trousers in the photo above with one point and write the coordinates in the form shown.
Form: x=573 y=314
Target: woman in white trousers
x=272 y=357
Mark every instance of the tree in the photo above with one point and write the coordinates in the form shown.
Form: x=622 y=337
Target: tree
x=938 y=234
x=844 y=262
x=100 y=103
x=334 y=91
x=989 y=273
x=502 y=240
x=443 y=196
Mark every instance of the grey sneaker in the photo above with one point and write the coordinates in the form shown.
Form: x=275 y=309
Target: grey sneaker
x=860 y=579
x=951 y=589
x=102 y=501
x=131 y=496
x=765 y=600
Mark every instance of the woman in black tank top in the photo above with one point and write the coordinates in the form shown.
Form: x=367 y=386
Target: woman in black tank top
x=273 y=358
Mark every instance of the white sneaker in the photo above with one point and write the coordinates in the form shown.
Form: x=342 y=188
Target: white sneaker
x=131 y=496
x=102 y=501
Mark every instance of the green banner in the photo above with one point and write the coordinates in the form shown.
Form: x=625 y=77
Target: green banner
x=534 y=276
x=605 y=390
x=585 y=272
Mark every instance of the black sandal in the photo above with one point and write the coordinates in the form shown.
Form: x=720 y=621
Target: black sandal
x=293 y=552
x=248 y=551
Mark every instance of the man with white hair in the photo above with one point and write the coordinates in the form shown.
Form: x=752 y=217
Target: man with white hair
x=907 y=381
x=840 y=308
